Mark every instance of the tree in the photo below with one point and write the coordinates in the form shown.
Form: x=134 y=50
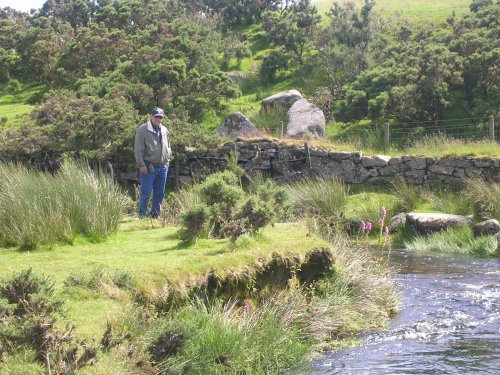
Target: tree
x=293 y=29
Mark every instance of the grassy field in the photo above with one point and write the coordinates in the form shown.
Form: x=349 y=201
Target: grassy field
x=13 y=107
x=418 y=11
x=165 y=259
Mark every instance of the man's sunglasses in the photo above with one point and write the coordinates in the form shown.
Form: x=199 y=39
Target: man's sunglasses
x=158 y=116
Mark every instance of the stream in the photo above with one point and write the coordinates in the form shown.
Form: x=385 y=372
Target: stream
x=449 y=322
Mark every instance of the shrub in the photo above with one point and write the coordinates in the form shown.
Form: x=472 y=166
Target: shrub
x=221 y=188
x=254 y=215
x=275 y=195
x=194 y=221
x=28 y=310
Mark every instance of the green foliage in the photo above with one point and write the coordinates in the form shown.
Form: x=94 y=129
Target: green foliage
x=194 y=221
x=456 y=240
x=275 y=62
x=255 y=215
x=293 y=28
x=75 y=201
x=216 y=338
x=100 y=277
x=221 y=188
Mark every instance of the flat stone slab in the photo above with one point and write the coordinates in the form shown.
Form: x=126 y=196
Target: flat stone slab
x=426 y=223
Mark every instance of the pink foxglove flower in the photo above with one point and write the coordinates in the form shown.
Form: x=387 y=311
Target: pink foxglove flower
x=368 y=226
x=386 y=231
x=362 y=226
x=383 y=212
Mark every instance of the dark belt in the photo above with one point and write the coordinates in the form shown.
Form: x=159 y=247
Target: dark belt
x=156 y=165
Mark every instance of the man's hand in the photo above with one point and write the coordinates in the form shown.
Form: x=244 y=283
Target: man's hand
x=143 y=170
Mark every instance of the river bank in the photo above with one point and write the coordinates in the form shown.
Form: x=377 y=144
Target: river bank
x=447 y=323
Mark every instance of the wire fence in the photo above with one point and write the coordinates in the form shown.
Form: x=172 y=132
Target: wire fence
x=406 y=133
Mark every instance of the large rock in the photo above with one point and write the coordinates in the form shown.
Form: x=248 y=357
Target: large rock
x=304 y=119
x=282 y=101
x=426 y=223
x=486 y=227
x=236 y=126
x=397 y=222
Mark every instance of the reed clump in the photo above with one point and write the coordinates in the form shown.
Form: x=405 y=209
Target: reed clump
x=37 y=208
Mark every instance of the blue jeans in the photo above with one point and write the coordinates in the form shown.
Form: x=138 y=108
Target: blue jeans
x=154 y=181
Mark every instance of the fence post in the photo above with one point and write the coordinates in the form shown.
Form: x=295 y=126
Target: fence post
x=387 y=135
x=177 y=172
x=491 y=128
x=308 y=156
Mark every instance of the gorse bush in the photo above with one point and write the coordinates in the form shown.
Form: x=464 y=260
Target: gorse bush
x=37 y=208
x=195 y=220
x=275 y=195
x=226 y=210
x=29 y=309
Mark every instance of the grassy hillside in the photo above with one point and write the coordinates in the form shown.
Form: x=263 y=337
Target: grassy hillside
x=418 y=11
x=13 y=106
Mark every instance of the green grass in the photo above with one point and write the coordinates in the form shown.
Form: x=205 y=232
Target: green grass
x=154 y=256
x=14 y=107
x=455 y=240
x=37 y=208
x=418 y=11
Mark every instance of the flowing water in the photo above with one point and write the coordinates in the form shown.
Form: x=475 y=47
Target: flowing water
x=449 y=322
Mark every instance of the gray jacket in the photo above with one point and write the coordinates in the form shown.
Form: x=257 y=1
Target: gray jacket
x=148 y=147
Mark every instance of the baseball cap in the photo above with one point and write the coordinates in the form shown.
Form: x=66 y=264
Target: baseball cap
x=157 y=111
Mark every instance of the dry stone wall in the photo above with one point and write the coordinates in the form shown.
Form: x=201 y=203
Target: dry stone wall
x=286 y=162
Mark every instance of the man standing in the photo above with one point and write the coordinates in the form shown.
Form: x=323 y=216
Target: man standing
x=152 y=151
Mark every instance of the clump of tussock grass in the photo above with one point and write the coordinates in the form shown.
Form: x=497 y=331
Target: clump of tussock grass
x=229 y=338
x=409 y=196
x=458 y=240
x=359 y=292
x=322 y=200
x=37 y=208
x=452 y=202
x=484 y=198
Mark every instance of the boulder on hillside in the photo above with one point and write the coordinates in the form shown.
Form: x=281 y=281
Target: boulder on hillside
x=426 y=223
x=304 y=119
x=236 y=126
x=486 y=227
x=282 y=101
